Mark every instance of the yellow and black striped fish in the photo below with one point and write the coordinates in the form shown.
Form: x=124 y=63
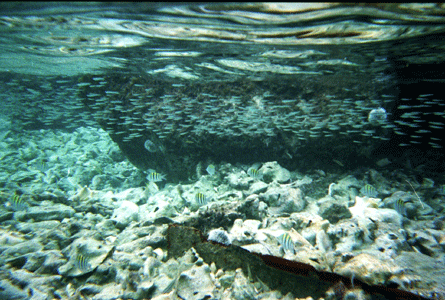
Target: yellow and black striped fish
x=369 y=191
x=155 y=177
x=82 y=262
x=400 y=207
x=286 y=242
x=254 y=173
x=201 y=199
x=17 y=202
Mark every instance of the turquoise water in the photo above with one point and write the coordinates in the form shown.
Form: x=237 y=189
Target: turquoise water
x=273 y=82
x=111 y=97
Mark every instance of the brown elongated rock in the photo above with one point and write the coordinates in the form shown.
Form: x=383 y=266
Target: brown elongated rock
x=300 y=279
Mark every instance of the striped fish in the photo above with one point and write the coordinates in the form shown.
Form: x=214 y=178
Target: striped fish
x=400 y=207
x=17 y=202
x=41 y=166
x=82 y=262
x=201 y=199
x=442 y=190
x=427 y=183
x=155 y=177
x=369 y=191
x=286 y=242
x=254 y=173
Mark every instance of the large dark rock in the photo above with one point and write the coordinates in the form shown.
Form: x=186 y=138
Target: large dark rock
x=334 y=212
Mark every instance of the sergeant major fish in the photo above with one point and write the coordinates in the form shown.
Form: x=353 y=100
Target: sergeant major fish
x=369 y=191
x=155 y=177
x=286 y=242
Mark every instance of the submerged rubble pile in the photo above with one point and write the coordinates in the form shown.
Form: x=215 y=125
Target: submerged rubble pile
x=222 y=151
x=70 y=234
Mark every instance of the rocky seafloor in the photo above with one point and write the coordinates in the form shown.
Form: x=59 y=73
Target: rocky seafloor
x=78 y=221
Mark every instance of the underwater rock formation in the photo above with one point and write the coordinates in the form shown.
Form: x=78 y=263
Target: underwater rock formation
x=60 y=239
x=302 y=280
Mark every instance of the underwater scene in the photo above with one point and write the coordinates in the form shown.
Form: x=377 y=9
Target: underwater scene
x=222 y=151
